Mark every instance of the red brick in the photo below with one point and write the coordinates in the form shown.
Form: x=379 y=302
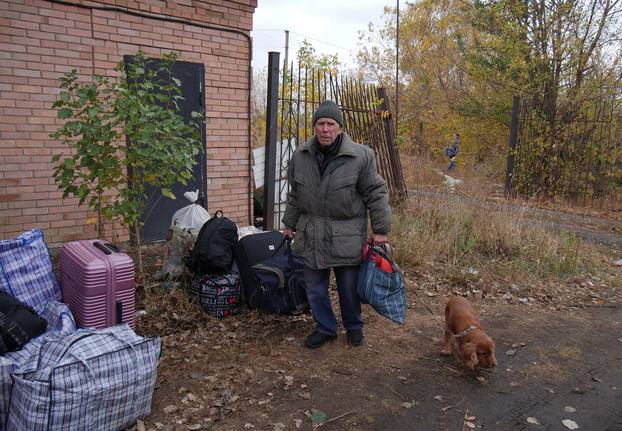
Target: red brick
x=9 y=197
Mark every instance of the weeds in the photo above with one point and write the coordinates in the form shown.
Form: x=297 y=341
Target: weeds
x=465 y=234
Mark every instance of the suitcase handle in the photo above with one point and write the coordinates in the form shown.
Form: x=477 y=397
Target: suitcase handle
x=113 y=247
x=107 y=247
x=102 y=247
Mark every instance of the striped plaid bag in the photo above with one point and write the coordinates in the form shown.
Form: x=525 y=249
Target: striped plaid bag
x=26 y=270
x=380 y=284
x=60 y=322
x=88 y=380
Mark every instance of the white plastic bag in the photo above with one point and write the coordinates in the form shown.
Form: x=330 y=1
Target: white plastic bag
x=185 y=226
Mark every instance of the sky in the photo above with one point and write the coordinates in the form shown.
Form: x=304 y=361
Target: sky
x=331 y=26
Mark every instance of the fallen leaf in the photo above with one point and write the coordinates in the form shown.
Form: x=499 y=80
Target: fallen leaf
x=511 y=352
x=470 y=425
x=533 y=421
x=470 y=418
x=596 y=379
x=140 y=426
x=297 y=423
x=444 y=409
x=318 y=416
x=570 y=424
x=438 y=397
x=407 y=405
x=569 y=409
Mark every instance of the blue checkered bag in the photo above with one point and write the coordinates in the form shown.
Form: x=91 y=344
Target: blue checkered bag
x=87 y=380
x=26 y=270
x=60 y=322
x=384 y=291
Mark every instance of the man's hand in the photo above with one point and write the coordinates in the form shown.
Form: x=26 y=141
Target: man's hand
x=289 y=233
x=379 y=239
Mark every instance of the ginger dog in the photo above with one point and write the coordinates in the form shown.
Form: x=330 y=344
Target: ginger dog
x=473 y=346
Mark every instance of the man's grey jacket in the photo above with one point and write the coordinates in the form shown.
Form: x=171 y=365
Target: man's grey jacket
x=329 y=213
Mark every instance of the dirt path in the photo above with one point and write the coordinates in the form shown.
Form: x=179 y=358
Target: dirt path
x=250 y=373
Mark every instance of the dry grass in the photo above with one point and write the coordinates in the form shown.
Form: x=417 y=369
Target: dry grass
x=463 y=233
x=475 y=228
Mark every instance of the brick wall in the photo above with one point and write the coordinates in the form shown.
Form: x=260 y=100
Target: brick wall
x=40 y=40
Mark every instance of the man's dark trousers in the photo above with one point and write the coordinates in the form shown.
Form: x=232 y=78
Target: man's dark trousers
x=317 y=281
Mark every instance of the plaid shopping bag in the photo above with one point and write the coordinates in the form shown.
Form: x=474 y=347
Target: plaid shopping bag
x=88 y=380
x=26 y=270
x=380 y=284
x=60 y=323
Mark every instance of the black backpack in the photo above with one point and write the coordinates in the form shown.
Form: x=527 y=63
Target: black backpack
x=18 y=324
x=213 y=249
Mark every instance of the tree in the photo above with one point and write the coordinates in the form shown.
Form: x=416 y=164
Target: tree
x=438 y=96
x=111 y=175
x=562 y=57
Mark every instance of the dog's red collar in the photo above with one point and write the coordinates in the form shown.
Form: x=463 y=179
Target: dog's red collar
x=465 y=332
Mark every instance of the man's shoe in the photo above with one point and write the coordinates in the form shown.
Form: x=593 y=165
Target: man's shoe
x=355 y=337
x=318 y=339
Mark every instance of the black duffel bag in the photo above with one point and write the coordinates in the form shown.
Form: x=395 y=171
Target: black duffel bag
x=18 y=324
x=280 y=287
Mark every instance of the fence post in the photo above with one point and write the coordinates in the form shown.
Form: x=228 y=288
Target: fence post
x=509 y=172
x=269 y=184
x=396 y=166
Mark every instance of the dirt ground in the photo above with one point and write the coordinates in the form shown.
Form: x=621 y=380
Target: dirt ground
x=558 y=360
x=251 y=371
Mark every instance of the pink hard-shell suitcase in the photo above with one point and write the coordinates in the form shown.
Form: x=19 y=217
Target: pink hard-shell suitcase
x=97 y=282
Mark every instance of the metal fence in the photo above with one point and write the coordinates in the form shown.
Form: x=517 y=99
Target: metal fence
x=575 y=154
x=293 y=96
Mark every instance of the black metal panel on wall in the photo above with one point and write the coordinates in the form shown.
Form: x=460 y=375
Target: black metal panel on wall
x=159 y=209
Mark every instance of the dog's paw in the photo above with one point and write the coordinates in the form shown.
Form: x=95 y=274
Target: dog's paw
x=446 y=352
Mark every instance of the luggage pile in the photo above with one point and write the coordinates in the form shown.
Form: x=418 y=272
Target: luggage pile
x=76 y=337
x=258 y=268
x=46 y=359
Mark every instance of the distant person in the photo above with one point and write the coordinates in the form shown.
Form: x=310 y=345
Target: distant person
x=452 y=152
x=334 y=186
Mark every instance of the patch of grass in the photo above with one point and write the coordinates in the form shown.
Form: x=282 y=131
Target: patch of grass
x=463 y=233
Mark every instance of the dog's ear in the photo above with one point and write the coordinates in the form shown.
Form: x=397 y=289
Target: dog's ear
x=474 y=359
x=470 y=355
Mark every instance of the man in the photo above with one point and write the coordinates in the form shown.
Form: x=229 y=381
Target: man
x=452 y=152
x=334 y=184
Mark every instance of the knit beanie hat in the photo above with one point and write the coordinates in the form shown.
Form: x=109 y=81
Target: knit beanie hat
x=328 y=109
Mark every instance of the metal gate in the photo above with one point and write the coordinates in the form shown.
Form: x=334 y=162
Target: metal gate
x=290 y=107
x=574 y=154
